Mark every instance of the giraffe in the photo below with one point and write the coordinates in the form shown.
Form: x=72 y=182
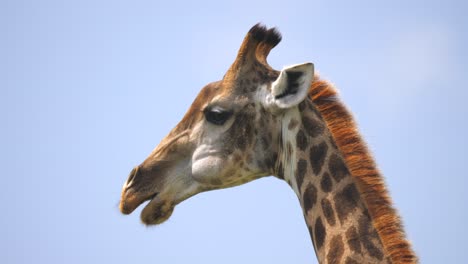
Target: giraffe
x=257 y=122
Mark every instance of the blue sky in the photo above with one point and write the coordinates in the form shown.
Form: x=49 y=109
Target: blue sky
x=88 y=88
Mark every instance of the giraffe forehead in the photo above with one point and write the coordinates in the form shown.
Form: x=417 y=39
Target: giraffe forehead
x=216 y=93
x=194 y=112
x=233 y=91
x=238 y=94
x=249 y=78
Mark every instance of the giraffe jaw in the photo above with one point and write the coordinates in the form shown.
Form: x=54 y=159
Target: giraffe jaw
x=157 y=211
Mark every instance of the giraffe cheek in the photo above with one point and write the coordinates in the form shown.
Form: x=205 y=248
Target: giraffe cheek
x=207 y=170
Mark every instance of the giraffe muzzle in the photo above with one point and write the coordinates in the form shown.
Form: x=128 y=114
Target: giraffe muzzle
x=131 y=198
x=131 y=177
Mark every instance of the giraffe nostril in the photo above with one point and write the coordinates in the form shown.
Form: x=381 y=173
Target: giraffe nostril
x=132 y=176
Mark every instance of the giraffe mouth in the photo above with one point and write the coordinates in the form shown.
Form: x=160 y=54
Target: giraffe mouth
x=157 y=211
x=131 y=200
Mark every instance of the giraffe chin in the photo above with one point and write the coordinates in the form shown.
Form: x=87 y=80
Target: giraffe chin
x=156 y=212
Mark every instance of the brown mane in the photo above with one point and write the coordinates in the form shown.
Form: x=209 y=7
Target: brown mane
x=363 y=168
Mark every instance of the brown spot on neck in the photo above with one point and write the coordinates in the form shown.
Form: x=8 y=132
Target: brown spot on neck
x=336 y=250
x=346 y=201
x=317 y=155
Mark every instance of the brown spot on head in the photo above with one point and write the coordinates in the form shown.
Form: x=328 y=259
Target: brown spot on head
x=336 y=250
x=269 y=136
x=274 y=158
x=264 y=142
x=310 y=197
x=337 y=168
x=317 y=157
x=240 y=143
x=300 y=172
x=328 y=211
x=241 y=130
x=346 y=201
x=229 y=150
x=319 y=233
x=301 y=140
x=270 y=160
x=237 y=158
x=263 y=111
x=248 y=158
x=248 y=130
x=215 y=182
x=231 y=173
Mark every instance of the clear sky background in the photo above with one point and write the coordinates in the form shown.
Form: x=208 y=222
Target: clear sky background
x=88 y=88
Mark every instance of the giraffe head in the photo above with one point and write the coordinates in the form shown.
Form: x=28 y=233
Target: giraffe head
x=230 y=135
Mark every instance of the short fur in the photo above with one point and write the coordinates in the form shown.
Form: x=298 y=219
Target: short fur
x=364 y=170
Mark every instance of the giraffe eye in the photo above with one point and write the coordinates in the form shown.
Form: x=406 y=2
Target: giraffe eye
x=217 y=116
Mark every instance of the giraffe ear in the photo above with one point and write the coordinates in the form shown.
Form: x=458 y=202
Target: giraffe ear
x=292 y=85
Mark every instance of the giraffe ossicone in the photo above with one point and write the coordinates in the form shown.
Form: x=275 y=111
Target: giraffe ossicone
x=257 y=122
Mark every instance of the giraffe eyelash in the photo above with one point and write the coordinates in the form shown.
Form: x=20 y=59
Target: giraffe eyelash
x=216 y=115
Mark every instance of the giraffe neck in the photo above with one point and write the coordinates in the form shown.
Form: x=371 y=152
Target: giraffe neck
x=335 y=211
